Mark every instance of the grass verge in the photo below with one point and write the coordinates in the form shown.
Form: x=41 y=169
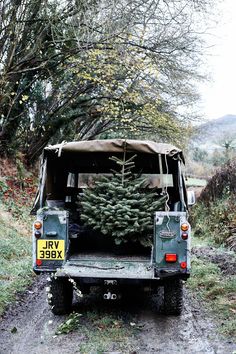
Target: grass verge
x=102 y=332
x=15 y=258
x=217 y=291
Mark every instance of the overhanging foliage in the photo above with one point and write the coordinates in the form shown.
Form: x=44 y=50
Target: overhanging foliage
x=79 y=69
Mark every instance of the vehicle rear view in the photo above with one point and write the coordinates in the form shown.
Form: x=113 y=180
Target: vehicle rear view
x=112 y=214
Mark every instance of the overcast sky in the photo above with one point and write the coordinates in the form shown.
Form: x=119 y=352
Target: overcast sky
x=219 y=95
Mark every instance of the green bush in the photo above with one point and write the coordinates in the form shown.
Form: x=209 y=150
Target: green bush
x=3 y=186
x=214 y=220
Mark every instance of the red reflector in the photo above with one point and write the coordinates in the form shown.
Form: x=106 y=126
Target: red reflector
x=171 y=257
x=183 y=265
x=184 y=236
x=39 y=262
x=37 y=234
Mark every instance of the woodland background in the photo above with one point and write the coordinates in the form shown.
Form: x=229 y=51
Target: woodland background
x=72 y=70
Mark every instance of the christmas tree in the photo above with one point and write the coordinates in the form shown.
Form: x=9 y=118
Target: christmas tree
x=120 y=206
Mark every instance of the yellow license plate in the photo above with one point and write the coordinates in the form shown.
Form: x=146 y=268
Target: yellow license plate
x=51 y=249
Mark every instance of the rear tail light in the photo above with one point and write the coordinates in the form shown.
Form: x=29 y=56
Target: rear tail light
x=37 y=234
x=183 y=265
x=171 y=257
x=185 y=227
x=37 y=225
x=184 y=236
x=39 y=262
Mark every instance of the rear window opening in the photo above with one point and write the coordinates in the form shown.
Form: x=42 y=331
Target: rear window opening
x=87 y=180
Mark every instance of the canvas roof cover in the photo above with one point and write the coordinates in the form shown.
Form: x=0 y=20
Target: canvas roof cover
x=116 y=145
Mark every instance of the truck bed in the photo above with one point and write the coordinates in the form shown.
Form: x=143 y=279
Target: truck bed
x=108 y=266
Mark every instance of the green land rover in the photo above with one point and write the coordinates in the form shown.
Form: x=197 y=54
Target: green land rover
x=73 y=237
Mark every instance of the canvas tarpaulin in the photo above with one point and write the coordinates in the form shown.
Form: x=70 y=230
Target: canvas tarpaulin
x=116 y=145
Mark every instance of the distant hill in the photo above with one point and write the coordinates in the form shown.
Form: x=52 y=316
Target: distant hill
x=211 y=134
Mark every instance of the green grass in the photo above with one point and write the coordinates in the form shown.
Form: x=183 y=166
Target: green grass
x=15 y=260
x=211 y=228
x=201 y=242
x=71 y=324
x=218 y=292
x=196 y=182
x=102 y=332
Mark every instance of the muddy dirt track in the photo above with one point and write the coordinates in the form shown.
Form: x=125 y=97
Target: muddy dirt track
x=29 y=327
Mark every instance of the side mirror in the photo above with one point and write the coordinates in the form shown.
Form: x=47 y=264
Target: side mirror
x=191 y=198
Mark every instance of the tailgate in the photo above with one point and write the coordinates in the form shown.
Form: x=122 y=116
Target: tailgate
x=108 y=266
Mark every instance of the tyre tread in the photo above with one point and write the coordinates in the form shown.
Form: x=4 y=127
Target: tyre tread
x=173 y=297
x=62 y=294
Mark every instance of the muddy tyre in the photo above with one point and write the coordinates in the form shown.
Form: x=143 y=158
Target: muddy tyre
x=62 y=295
x=173 y=297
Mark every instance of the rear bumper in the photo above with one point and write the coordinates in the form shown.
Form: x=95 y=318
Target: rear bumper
x=172 y=273
x=85 y=269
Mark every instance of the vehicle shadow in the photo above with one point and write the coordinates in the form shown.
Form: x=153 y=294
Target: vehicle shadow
x=128 y=304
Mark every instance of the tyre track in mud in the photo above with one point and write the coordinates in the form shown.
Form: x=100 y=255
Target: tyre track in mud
x=34 y=326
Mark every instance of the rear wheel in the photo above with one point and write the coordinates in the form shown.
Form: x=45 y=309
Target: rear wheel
x=61 y=291
x=173 y=296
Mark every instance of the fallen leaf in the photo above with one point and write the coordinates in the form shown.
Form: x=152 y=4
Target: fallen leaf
x=132 y=324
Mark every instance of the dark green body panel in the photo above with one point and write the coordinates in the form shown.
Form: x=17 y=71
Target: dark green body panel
x=168 y=240
x=55 y=227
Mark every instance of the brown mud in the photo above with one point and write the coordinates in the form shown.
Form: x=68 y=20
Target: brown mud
x=29 y=326
x=226 y=260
